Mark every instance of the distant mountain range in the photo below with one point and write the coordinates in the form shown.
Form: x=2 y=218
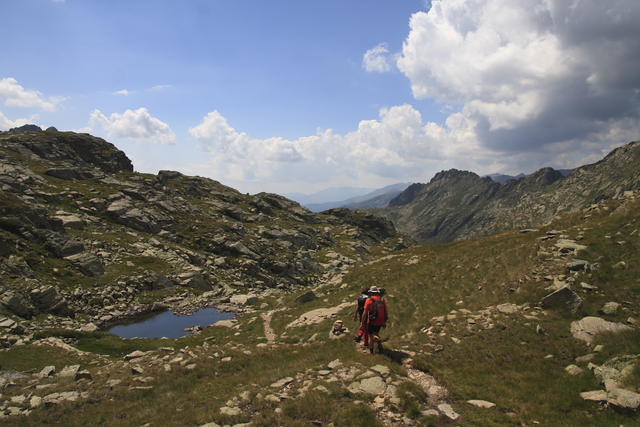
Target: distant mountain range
x=330 y=194
x=457 y=205
x=366 y=198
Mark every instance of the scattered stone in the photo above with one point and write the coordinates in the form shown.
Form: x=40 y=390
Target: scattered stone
x=136 y=370
x=83 y=374
x=610 y=307
x=586 y=358
x=507 y=308
x=69 y=371
x=282 y=382
x=481 y=403
x=381 y=369
x=620 y=265
x=578 y=265
x=448 y=411
x=563 y=299
x=596 y=395
x=35 y=402
x=568 y=246
x=306 y=297
x=135 y=354
x=573 y=370
x=588 y=327
x=232 y=411
x=373 y=385
x=623 y=398
x=113 y=383
x=47 y=371
x=588 y=287
x=244 y=299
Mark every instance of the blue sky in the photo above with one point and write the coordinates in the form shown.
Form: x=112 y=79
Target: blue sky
x=299 y=95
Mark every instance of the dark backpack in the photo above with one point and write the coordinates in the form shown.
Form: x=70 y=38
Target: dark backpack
x=373 y=315
x=362 y=299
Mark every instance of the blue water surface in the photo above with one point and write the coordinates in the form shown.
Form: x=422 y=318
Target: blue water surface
x=168 y=324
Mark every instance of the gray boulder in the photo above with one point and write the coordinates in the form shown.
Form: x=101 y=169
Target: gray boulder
x=588 y=327
x=124 y=212
x=87 y=263
x=564 y=299
x=48 y=300
x=306 y=297
x=18 y=304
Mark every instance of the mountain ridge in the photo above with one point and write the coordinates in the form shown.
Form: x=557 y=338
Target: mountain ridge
x=461 y=205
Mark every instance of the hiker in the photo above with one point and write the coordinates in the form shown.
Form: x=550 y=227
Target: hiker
x=357 y=316
x=375 y=317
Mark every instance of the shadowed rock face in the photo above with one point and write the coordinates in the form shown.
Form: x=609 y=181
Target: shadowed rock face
x=458 y=205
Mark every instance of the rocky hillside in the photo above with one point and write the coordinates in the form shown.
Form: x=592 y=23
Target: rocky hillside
x=528 y=327
x=86 y=241
x=461 y=205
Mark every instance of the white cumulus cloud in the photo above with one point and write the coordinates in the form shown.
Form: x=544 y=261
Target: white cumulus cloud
x=395 y=146
x=530 y=74
x=15 y=95
x=137 y=124
x=6 y=123
x=377 y=59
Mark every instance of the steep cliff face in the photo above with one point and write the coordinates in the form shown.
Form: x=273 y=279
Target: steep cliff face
x=77 y=222
x=461 y=205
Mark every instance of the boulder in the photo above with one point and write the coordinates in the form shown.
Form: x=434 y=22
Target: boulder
x=47 y=371
x=595 y=395
x=70 y=221
x=243 y=299
x=481 y=403
x=567 y=246
x=622 y=398
x=610 y=307
x=69 y=371
x=563 y=299
x=588 y=327
x=306 y=297
x=124 y=212
x=573 y=370
x=48 y=300
x=448 y=411
x=614 y=372
x=578 y=265
x=507 y=308
x=373 y=385
x=89 y=264
x=17 y=304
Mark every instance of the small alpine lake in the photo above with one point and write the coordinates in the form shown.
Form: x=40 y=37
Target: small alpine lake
x=168 y=324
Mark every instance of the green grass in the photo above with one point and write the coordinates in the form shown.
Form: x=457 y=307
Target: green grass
x=33 y=358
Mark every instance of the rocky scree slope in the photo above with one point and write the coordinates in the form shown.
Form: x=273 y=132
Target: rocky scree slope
x=86 y=241
x=458 y=204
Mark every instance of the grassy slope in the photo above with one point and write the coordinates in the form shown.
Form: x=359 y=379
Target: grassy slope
x=505 y=364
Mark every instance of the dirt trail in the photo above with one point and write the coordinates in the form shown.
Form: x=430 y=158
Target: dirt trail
x=268 y=331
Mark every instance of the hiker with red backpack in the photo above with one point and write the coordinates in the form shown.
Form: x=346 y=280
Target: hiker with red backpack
x=374 y=317
x=357 y=316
